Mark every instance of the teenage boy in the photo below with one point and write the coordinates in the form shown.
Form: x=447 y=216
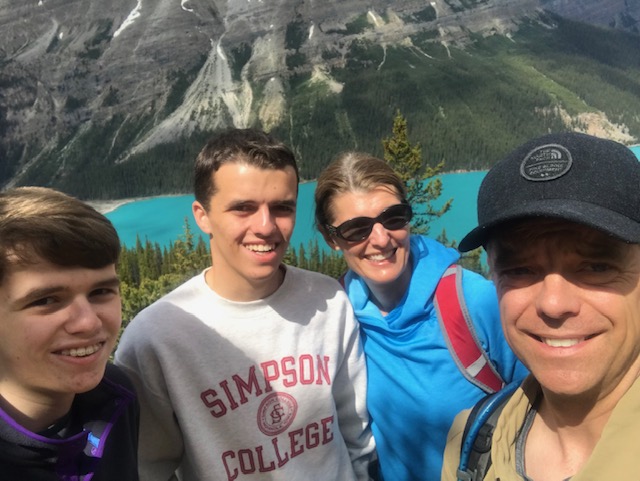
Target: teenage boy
x=62 y=416
x=251 y=369
x=560 y=220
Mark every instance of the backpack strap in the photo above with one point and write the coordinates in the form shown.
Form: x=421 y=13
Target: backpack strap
x=475 y=451
x=459 y=333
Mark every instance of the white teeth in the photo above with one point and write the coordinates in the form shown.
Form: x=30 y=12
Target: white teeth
x=81 y=351
x=380 y=257
x=261 y=247
x=561 y=342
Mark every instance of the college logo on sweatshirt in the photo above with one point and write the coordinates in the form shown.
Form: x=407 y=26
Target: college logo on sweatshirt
x=288 y=371
x=276 y=413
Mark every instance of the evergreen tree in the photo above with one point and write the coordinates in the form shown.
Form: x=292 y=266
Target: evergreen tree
x=423 y=188
x=148 y=272
x=471 y=260
x=303 y=262
x=333 y=264
x=290 y=257
x=202 y=249
x=314 y=263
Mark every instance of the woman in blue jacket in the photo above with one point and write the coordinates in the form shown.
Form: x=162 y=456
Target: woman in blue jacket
x=415 y=386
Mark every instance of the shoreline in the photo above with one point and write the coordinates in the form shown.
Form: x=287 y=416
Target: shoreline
x=108 y=206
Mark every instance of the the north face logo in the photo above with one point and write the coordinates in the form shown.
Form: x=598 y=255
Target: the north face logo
x=546 y=163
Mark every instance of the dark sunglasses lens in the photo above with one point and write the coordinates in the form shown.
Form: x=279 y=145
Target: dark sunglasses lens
x=356 y=229
x=396 y=217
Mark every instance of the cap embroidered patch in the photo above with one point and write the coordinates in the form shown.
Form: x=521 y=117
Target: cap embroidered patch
x=547 y=162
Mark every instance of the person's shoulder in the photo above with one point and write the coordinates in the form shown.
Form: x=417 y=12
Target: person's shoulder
x=458 y=426
x=318 y=286
x=423 y=242
x=191 y=284
x=162 y=322
x=430 y=257
x=481 y=300
x=473 y=276
x=115 y=385
x=115 y=376
x=312 y=277
x=477 y=287
x=453 y=445
x=174 y=297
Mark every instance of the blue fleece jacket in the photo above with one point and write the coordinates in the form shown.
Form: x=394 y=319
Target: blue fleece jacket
x=415 y=388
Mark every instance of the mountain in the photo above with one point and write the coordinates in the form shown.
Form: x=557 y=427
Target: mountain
x=113 y=99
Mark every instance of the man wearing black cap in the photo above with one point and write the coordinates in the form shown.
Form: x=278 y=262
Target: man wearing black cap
x=559 y=218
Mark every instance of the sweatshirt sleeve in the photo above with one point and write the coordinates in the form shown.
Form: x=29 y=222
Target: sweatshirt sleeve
x=160 y=446
x=349 y=392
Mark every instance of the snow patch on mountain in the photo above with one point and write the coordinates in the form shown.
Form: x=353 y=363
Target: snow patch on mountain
x=131 y=18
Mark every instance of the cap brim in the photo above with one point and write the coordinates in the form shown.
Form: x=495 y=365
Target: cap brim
x=597 y=217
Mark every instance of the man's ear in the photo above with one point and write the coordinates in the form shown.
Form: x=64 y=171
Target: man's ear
x=201 y=218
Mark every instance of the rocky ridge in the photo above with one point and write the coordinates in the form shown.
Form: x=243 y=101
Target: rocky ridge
x=163 y=69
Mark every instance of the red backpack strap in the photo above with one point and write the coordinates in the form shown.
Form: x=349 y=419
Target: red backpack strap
x=459 y=333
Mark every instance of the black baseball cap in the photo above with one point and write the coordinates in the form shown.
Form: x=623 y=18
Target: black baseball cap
x=571 y=176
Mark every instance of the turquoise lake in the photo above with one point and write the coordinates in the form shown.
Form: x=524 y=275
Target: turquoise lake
x=161 y=219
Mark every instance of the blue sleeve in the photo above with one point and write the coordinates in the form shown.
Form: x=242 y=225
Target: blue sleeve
x=482 y=303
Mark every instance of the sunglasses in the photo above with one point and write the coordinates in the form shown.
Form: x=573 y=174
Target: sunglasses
x=392 y=218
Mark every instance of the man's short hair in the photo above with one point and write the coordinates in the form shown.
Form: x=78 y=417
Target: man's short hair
x=250 y=146
x=570 y=176
x=38 y=223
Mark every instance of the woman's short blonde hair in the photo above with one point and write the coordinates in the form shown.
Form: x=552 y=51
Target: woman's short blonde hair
x=352 y=172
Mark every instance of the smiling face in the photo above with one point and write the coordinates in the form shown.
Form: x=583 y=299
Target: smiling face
x=570 y=306
x=58 y=326
x=250 y=221
x=382 y=259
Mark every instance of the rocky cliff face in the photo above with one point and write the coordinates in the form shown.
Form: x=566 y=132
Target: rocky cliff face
x=622 y=14
x=153 y=71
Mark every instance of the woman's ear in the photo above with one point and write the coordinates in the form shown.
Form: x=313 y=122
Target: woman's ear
x=331 y=242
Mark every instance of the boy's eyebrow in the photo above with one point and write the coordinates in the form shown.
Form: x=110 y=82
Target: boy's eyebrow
x=241 y=202
x=109 y=282
x=40 y=292
x=238 y=203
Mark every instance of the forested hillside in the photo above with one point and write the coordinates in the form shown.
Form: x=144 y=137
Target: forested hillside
x=467 y=103
x=470 y=106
